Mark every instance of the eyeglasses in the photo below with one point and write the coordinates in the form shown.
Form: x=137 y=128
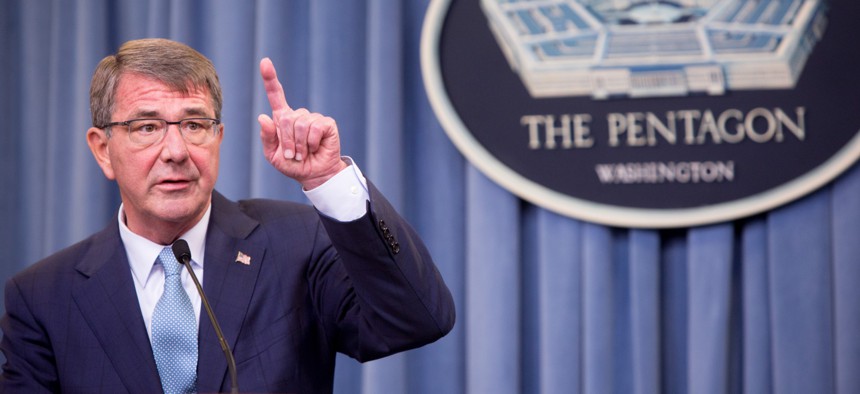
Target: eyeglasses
x=146 y=132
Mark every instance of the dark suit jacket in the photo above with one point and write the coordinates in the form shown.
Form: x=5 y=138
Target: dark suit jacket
x=314 y=287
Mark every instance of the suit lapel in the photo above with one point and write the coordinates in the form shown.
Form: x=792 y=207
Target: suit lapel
x=108 y=302
x=228 y=284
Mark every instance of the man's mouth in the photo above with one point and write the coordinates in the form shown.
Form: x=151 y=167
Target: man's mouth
x=173 y=184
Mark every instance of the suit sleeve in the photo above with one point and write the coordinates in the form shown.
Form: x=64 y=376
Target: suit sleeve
x=383 y=294
x=29 y=366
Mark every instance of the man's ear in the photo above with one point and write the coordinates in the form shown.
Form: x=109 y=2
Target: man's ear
x=97 y=139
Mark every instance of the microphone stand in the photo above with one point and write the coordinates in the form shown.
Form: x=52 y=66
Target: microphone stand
x=184 y=257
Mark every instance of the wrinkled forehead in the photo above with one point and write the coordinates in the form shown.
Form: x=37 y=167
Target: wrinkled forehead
x=145 y=96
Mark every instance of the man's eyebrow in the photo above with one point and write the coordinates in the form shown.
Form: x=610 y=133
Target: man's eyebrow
x=144 y=114
x=197 y=111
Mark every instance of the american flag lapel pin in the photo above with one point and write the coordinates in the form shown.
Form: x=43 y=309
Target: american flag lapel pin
x=243 y=258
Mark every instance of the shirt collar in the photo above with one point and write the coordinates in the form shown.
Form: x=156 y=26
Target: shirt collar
x=142 y=252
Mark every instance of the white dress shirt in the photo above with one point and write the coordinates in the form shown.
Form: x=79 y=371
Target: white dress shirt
x=343 y=197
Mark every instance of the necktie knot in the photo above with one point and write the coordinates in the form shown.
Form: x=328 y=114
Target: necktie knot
x=168 y=261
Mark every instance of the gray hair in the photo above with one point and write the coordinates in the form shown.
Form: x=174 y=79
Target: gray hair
x=172 y=63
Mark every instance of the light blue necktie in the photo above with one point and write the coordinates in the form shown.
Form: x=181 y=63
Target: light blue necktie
x=174 y=331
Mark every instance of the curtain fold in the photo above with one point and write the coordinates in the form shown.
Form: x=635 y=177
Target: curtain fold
x=599 y=319
x=801 y=286
x=492 y=268
x=545 y=303
x=709 y=280
x=559 y=300
x=846 y=273
x=757 y=370
x=645 y=310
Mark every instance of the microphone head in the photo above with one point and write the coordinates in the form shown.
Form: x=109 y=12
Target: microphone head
x=182 y=251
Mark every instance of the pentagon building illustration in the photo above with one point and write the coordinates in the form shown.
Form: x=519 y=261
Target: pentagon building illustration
x=627 y=48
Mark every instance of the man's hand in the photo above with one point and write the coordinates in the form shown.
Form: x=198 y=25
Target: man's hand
x=302 y=145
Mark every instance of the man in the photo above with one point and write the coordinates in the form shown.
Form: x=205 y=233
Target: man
x=290 y=285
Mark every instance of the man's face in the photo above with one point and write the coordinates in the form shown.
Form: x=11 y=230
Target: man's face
x=165 y=187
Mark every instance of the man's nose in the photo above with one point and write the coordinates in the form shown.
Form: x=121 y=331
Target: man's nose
x=175 y=147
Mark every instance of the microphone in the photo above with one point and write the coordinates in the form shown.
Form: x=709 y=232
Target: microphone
x=183 y=255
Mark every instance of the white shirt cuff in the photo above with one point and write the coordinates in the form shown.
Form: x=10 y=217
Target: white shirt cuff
x=343 y=197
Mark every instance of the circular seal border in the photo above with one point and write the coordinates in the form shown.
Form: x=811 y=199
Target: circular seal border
x=593 y=211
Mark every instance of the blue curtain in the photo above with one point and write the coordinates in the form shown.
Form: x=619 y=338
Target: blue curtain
x=546 y=304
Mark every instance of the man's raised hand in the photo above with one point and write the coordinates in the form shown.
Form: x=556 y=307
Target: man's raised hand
x=302 y=145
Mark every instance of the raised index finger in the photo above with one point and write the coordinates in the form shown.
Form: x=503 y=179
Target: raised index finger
x=274 y=90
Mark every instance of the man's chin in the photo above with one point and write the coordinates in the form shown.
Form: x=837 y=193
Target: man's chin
x=181 y=210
